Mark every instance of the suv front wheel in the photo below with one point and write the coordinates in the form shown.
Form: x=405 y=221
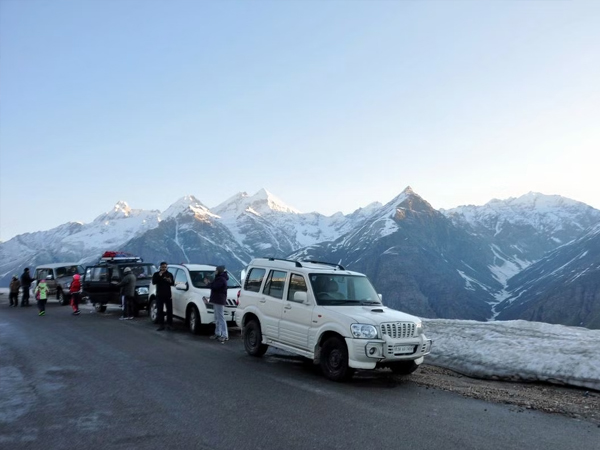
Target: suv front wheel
x=253 y=339
x=404 y=367
x=334 y=360
x=194 y=320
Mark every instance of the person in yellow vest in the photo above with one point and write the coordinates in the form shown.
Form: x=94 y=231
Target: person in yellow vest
x=41 y=295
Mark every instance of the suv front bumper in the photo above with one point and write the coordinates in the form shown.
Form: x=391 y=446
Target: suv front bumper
x=367 y=353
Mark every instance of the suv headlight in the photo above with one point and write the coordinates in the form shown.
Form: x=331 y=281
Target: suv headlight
x=142 y=291
x=363 y=331
x=419 y=329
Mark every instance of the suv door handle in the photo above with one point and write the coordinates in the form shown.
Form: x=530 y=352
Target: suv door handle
x=288 y=306
x=263 y=300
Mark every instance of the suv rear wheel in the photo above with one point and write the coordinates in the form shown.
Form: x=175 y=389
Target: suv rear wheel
x=334 y=360
x=253 y=339
x=152 y=311
x=60 y=297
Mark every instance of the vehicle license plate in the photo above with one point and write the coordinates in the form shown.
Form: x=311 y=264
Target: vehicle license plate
x=404 y=349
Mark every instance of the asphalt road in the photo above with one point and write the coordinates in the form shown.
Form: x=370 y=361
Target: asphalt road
x=94 y=382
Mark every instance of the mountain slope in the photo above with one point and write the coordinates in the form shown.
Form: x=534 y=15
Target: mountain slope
x=561 y=288
x=417 y=259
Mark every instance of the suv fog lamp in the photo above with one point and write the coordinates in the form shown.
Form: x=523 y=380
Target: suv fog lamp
x=374 y=350
x=363 y=331
x=142 y=291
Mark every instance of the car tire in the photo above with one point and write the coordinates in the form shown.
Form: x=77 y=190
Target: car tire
x=334 y=360
x=100 y=308
x=152 y=311
x=193 y=319
x=404 y=367
x=61 y=297
x=253 y=339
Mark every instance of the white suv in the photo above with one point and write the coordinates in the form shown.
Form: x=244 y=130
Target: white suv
x=327 y=314
x=188 y=294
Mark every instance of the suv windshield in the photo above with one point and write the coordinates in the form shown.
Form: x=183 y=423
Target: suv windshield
x=139 y=270
x=198 y=277
x=343 y=290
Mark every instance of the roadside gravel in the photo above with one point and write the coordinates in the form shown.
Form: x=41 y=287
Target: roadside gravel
x=577 y=403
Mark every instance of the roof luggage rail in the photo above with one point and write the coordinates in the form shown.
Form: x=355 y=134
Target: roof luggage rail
x=270 y=258
x=323 y=262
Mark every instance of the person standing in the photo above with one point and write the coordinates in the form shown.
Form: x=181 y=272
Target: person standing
x=41 y=294
x=26 y=281
x=13 y=295
x=128 y=285
x=218 y=298
x=163 y=279
x=75 y=290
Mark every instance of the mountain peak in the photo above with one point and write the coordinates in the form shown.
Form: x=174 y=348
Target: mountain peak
x=121 y=210
x=188 y=203
x=261 y=203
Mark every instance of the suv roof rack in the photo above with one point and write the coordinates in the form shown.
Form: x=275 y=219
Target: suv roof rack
x=323 y=262
x=270 y=258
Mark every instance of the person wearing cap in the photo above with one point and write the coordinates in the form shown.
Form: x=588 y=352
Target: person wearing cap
x=26 y=281
x=218 y=298
x=75 y=290
x=163 y=279
x=128 y=285
x=13 y=296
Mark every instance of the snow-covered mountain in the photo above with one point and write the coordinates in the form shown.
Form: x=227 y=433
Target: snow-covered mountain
x=563 y=287
x=522 y=230
x=469 y=262
x=73 y=241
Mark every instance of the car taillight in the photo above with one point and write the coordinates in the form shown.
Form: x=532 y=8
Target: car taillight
x=237 y=299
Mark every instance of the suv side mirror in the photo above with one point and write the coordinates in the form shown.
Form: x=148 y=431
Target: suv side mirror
x=182 y=286
x=300 y=296
x=380 y=297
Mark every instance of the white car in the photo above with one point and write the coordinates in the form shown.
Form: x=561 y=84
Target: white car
x=190 y=292
x=327 y=314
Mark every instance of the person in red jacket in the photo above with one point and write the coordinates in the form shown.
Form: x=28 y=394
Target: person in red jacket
x=75 y=291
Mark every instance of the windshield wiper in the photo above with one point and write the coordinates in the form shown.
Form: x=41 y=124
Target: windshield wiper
x=370 y=302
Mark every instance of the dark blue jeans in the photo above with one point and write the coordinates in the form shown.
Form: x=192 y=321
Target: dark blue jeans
x=161 y=302
x=41 y=305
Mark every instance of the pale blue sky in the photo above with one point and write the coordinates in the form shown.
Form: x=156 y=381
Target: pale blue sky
x=329 y=105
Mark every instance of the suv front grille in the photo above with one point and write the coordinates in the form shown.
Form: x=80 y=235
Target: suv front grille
x=398 y=330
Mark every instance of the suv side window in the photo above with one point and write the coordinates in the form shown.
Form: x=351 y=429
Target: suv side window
x=99 y=274
x=297 y=284
x=61 y=272
x=180 y=277
x=275 y=284
x=254 y=279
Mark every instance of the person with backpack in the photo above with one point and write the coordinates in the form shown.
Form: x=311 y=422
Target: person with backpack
x=41 y=294
x=75 y=290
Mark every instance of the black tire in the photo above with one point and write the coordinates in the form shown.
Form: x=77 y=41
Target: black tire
x=152 y=311
x=61 y=297
x=193 y=319
x=253 y=339
x=334 y=360
x=404 y=367
x=100 y=308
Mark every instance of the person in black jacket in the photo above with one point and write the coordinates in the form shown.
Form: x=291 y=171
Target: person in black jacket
x=218 y=297
x=163 y=279
x=26 y=281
